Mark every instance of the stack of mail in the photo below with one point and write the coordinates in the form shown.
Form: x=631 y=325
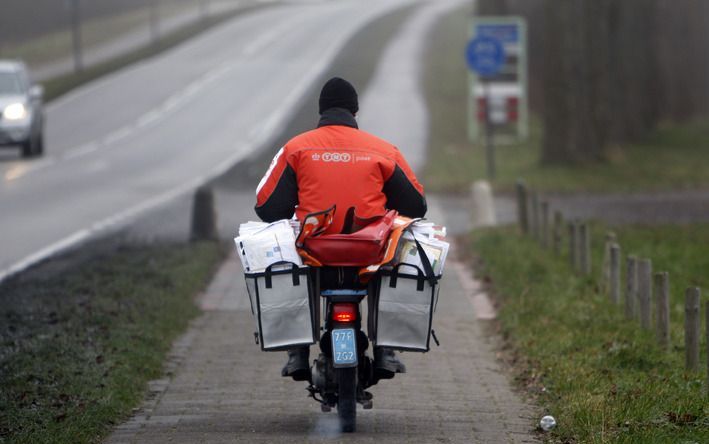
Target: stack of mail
x=430 y=236
x=261 y=244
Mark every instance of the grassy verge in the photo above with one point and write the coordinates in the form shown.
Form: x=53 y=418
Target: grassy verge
x=79 y=348
x=60 y=85
x=601 y=376
x=674 y=157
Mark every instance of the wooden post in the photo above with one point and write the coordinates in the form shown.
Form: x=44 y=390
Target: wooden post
x=558 y=232
x=645 y=292
x=535 y=215
x=605 y=265
x=544 y=208
x=631 y=285
x=584 y=249
x=692 y=328
x=522 y=206
x=614 y=274
x=204 y=216
x=572 y=244
x=662 y=297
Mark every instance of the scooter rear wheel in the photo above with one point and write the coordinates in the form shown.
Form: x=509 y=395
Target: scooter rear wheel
x=347 y=398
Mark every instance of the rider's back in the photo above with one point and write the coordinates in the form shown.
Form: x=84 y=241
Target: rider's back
x=338 y=164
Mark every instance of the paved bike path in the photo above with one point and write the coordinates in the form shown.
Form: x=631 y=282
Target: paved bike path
x=222 y=388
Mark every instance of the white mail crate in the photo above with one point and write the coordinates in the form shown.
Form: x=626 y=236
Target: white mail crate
x=406 y=301
x=282 y=303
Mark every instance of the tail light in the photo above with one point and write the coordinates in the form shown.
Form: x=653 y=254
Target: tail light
x=344 y=312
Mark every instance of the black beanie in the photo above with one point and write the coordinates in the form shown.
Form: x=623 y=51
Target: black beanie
x=338 y=93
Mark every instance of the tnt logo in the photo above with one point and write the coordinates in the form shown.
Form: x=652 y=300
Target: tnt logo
x=336 y=157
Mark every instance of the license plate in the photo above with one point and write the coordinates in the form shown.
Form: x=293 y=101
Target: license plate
x=344 y=347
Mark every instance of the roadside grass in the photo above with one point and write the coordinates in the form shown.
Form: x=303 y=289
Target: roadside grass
x=60 y=85
x=601 y=376
x=78 y=348
x=673 y=157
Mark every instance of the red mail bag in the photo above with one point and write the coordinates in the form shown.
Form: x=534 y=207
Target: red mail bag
x=361 y=248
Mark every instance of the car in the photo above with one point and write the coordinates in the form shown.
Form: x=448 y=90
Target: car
x=21 y=109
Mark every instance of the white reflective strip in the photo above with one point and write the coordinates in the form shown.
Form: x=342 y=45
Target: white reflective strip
x=270 y=170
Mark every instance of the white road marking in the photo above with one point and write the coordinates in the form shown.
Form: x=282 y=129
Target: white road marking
x=92 y=87
x=116 y=136
x=22 y=169
x=46 y=252
x=149 y=118
x=105 y=224
x=80 y=150
x=265 y=40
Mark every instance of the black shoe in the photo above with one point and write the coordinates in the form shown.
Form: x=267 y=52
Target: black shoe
x=386 y=364
x=297 y=366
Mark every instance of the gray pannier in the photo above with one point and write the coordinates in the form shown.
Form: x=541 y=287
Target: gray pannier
x=283 y=305
x=405 y=304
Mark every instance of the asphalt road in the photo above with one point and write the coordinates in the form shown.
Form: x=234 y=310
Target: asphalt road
x=153 y=131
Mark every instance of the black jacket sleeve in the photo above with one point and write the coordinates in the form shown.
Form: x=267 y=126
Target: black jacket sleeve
x=403 y=197
x=282 y=201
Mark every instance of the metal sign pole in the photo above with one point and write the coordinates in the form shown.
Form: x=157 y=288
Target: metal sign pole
x=486 y=56
x=489 y=131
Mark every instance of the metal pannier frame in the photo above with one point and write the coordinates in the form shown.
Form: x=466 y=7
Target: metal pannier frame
x=283 y=304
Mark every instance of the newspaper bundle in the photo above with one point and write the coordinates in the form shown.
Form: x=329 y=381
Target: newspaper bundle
x=261 y=244
x=430 y=236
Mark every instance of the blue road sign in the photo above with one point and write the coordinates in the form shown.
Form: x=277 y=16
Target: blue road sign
x=485 y=55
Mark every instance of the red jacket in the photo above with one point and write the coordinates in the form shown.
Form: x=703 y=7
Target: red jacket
x=338 y=164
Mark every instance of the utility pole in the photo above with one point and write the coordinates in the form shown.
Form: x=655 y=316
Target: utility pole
x=76 y=35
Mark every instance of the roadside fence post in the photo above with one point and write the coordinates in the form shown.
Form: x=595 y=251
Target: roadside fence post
x=535 y=215
x=645 y=292
x=631 y=285
x=572 y=244
x=662 y=296
x=614 y=274
x=204 y=216
x=692 y=328
x=605 y=265
x=584 y=236
x=558 y=232
x=522 y=206
x=544 y=208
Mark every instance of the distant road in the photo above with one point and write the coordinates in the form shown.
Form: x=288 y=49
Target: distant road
x=135 y=139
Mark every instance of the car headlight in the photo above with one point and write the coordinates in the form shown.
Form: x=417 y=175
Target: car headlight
x=16 y=111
